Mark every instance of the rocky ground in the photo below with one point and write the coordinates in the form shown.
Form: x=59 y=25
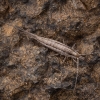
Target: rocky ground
x=30 y=71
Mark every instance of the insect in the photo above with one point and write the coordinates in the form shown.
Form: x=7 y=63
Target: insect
x=55 y=46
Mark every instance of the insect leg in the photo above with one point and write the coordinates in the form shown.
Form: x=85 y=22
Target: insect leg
x=77 y=73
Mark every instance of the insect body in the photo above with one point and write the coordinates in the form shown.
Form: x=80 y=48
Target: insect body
x=58 y=47
x=55 y=45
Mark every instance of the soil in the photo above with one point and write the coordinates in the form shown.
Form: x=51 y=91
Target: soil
x=31 y=71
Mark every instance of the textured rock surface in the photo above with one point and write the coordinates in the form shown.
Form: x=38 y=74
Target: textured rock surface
x=30 y=71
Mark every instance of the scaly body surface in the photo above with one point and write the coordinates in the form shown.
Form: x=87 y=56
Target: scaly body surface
x=57 y=47
x=54 y=45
